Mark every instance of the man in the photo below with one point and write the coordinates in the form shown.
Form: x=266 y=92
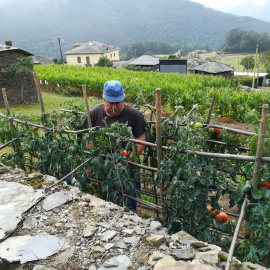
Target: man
x=114 y=110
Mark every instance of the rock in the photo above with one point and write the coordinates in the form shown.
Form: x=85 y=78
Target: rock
x=165 y=262
x=131 y=240
x=64 y=257
x=10 y=247
x=108 y=235
x=156 y=256
x=155 y=240
x=154 y=225
x=89 y=230
x=121 y=262
x=58 y=198
x=119 y=243
x=98 y=249
x=42 y=267
x=108 y=246
x=198 y=244
x=29 y=223
x=139 y=230
x=185 y=253
x=15 y=199
x=40 y=247
x=183 y=235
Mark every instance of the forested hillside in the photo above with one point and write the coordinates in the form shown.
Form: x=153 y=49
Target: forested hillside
x=35 y=25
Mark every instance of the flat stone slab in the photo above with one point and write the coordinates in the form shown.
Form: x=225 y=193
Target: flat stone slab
x=31 y=248
x=15 y=199
x=58 y=198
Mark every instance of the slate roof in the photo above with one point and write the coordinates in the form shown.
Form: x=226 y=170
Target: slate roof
x=4 y=48
x=91 y=47
x=42 y=60
x=212 y=67
x=194 y=62
x=145 y=60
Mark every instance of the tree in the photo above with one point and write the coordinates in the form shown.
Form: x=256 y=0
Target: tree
x=22 y=69
x=248 y=62
x=103 y=61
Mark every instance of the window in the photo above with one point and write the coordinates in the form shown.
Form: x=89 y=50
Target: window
x=111 y=55
x=79 y=59
x=87 y=60
x=114 y=54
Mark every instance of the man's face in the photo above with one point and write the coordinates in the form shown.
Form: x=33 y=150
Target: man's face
x=113 y=108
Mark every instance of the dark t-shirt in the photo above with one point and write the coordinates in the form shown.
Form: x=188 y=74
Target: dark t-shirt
x=129 y=115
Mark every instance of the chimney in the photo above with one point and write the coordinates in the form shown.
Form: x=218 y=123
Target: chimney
x=8 y=43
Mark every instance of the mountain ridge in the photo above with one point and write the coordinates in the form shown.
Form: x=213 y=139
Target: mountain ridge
x=35 y=25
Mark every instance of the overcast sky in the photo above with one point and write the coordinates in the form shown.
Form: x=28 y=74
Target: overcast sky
x=258 y=9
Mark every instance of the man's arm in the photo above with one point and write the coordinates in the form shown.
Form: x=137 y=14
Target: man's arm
x=140 y=147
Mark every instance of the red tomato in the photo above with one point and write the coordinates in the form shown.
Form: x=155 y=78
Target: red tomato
x=90 y=145
x=124 y=153
x=222 y=216
x=266 y=185
x=95 y=184
x=88 y=171
x=217 y=130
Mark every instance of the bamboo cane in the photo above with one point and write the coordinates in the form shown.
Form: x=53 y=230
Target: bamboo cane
x=5 y=100
x=237 y=229
x=40 y=98
x=259 y=152
x=86 y=106
x=158 y=138
x=211 y=108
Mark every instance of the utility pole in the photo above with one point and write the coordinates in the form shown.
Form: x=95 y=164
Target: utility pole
x=61 y=54
x=258 y=70
x=52 y=51
x=255 y=65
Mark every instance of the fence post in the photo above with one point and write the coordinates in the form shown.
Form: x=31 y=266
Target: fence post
x=259 y=152
x=40 y=97
x=158 y=138
x=86 y=106
x=5 y=100
x=211 y=108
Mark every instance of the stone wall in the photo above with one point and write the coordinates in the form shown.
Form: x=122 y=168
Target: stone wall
x=18 y=90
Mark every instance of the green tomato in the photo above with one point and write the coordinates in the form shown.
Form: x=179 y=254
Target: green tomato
x=198 y=125
x=211 y=130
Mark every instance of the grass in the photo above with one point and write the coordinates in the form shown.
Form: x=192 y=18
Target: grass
x=52 y=102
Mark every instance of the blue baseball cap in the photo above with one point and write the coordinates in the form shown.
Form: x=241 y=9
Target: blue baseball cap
x=113 y=91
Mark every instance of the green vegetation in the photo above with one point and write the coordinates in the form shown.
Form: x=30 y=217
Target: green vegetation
x=187 y=177
x=177 y=90
x=52 y=102
x=103 y=61
x=238 y=40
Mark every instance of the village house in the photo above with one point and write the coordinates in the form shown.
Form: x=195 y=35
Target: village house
x=88 y=53
x=213 y=68
x=42 y=60
x=18 y=89
x=145 y=61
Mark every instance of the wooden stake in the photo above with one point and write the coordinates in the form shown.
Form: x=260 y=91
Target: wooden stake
x=259 y=152
x=158 y=138
x=5 y=100
x=237 y=229
x=86 y=107
x=40 y=97
x=211 y=108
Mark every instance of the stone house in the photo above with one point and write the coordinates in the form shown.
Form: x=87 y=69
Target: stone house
x=88 y=53
x=145 y=61
x=213 y=68
x=18 y=89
